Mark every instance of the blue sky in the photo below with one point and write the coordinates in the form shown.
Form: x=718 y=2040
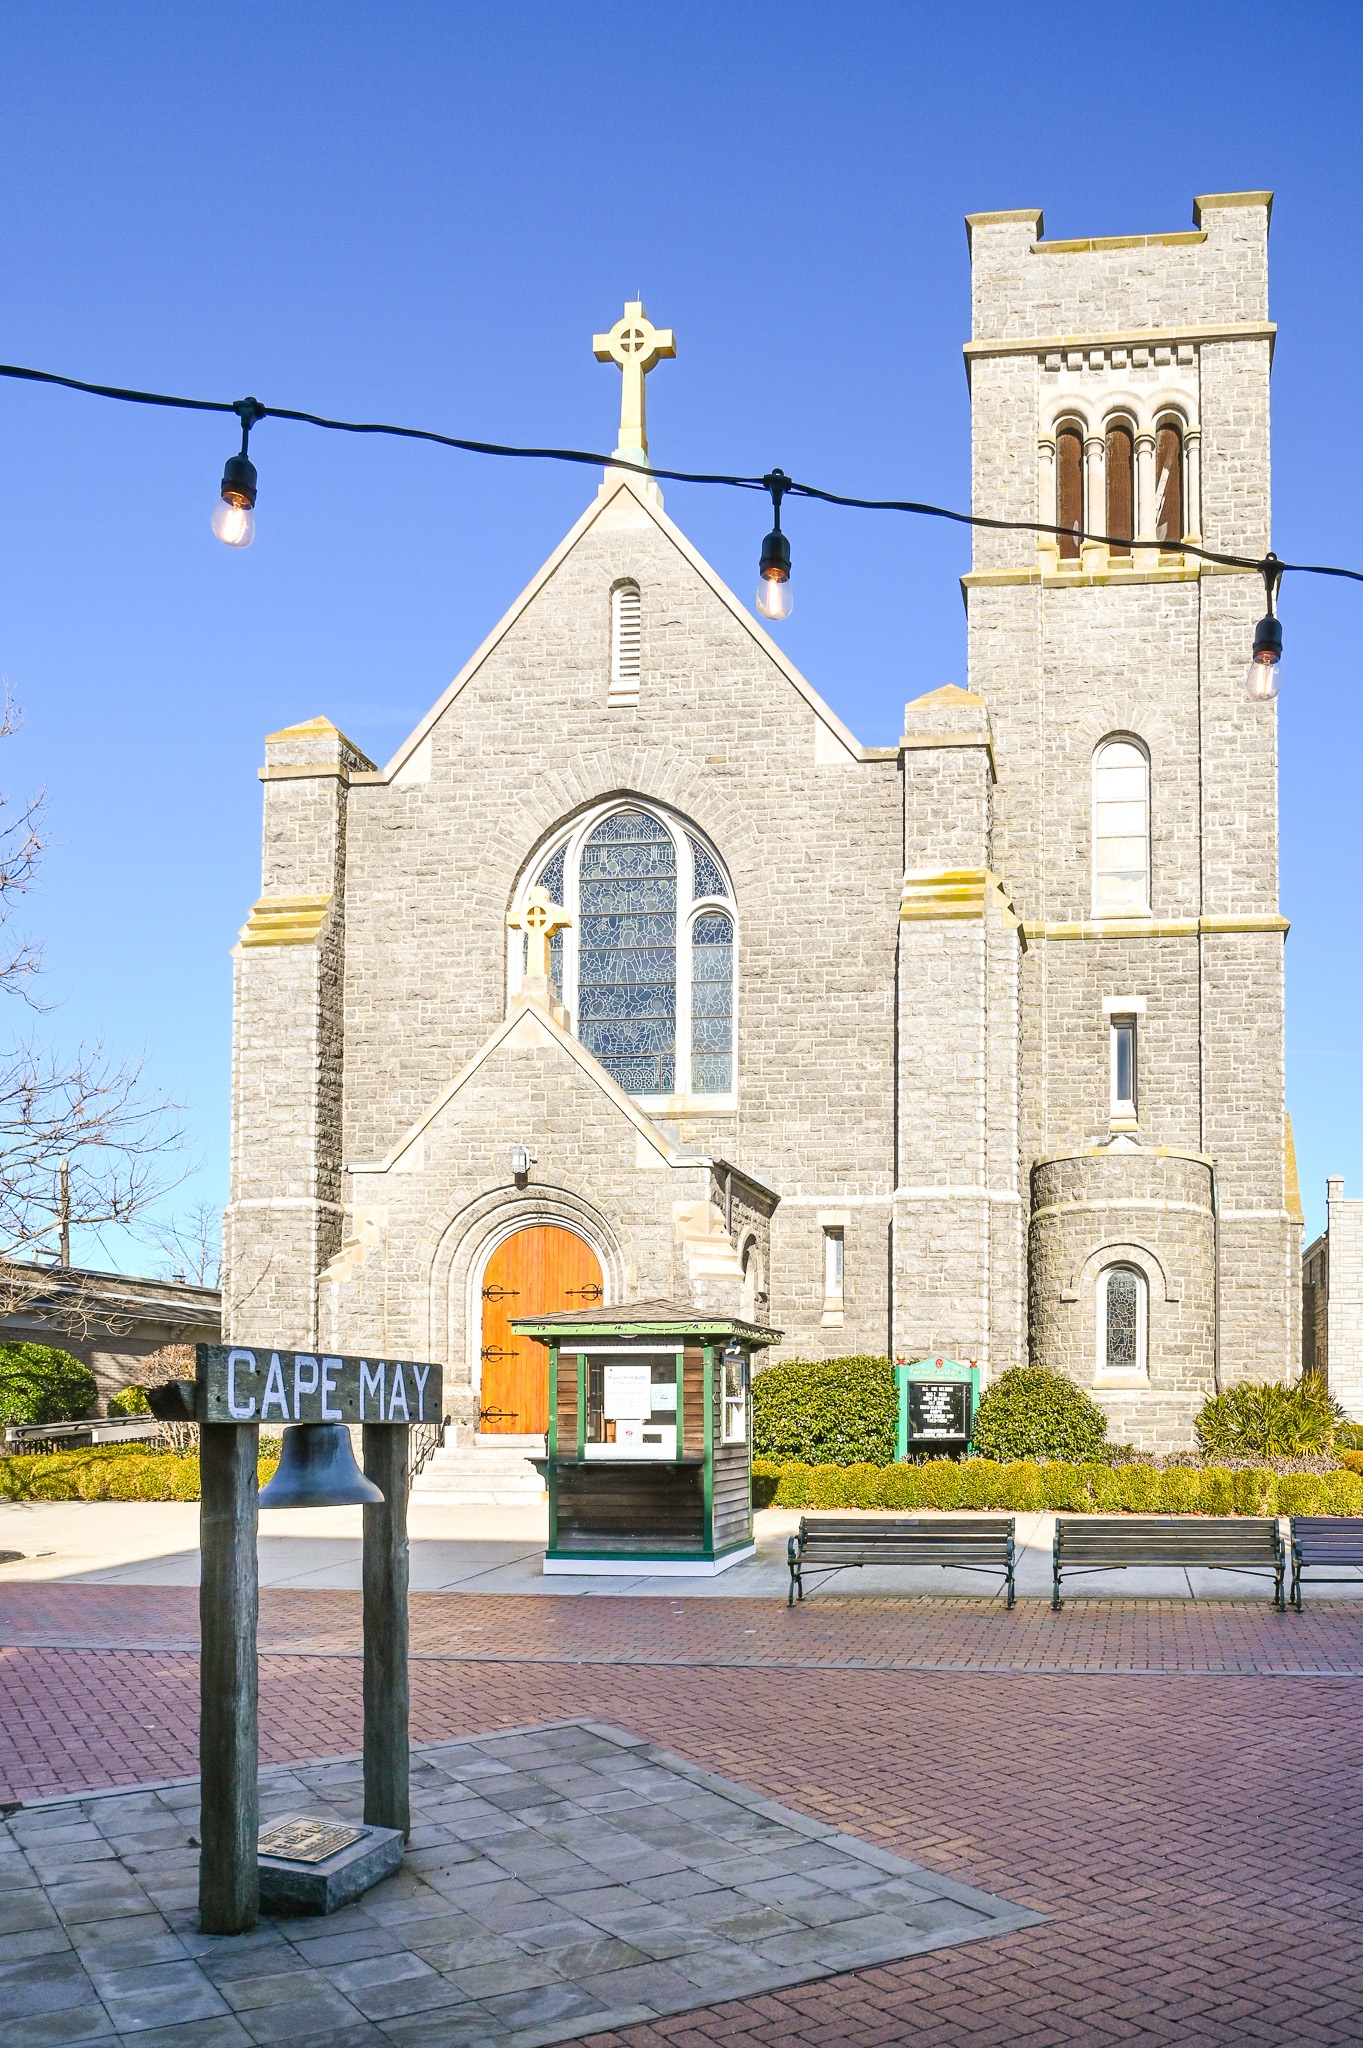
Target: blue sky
x=422 y=213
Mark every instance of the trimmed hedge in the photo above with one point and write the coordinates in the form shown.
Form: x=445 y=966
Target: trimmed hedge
x=1073 y=1489
x=111 y=1472
x=1030 y=1412
x=835 y=1411
x=41 y=1384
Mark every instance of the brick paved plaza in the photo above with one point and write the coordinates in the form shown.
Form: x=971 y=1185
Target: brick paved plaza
x=1175 y=1785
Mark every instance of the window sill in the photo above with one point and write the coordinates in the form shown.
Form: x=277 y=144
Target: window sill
x=1127 y=1124
x=832 y=1318
x=1112 y=1382
x=687 y=1105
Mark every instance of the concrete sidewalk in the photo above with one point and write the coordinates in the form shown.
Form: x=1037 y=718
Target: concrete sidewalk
x=501 y=1550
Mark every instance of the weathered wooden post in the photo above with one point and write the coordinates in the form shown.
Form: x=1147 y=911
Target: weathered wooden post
x=387 y=1689
x=229 y=1886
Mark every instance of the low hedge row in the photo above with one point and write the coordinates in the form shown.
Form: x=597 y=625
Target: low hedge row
x=1073 y=1489
x=110 y=1472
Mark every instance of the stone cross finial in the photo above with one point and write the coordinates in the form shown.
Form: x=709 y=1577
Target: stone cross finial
x=539 y=919
x=636 y=344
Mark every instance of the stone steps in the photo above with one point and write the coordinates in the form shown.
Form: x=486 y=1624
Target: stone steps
x=487 y=1471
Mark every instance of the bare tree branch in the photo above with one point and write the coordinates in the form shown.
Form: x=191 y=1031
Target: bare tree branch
x=192 y=1245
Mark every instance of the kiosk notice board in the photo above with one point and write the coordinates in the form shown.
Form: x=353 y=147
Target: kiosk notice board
x=649 y=1456
x=937 y=1400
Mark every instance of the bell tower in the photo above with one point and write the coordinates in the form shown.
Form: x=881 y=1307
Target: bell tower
x=1119 y=388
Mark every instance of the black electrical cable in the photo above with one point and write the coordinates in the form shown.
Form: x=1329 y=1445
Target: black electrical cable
x=791 y=488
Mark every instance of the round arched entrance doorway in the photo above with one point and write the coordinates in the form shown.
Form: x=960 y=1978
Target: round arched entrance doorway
x=534 y=1273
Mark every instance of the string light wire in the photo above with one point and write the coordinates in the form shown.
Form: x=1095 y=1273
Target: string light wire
x=1265 y=564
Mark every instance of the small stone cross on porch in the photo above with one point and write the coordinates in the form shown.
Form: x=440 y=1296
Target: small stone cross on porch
x=539 y=919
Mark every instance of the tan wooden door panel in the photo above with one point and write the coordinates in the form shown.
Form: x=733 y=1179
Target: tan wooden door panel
x=537 y=1272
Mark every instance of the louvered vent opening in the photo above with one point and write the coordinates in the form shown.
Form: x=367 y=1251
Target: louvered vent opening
x=625 y=644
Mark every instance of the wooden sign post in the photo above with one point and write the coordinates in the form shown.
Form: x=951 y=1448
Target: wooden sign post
x=237 y=1388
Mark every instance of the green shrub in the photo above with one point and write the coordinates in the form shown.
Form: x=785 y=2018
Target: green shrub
x=1341 y=1493
x=1140 y=1489
x=1031 y=1412
x=1218 y=1491
x=1273 y=1420
x=38 y=1384
x=1255 y=1492
x=1351 y=1460
x=828 y=1486
x=859 y=1488
x=766 y=1476
x=1105 y=1490
x=1020 y=1492
x=940 y=1479
x=1064 y=1488
x=1181 y=1490
x=111 y=1472
x=1299 y=1494
x=792 y=1488
x=825 y=1411
x=981 y=1483
x=1349 y=1436
x=132 y=1401
x=900 y=1487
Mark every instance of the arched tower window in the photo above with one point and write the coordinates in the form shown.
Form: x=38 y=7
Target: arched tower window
x=1121 y=830
x=1169 y=528
x=626 y=645
x=1069 y=488
x=1121 y=486
x=646 y=968
x=1121 y=1320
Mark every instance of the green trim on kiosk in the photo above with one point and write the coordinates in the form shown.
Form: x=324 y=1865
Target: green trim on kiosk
x=622 y=1513
x=940 y=1371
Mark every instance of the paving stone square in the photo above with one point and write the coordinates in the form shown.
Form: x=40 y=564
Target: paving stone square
x=561 y=1879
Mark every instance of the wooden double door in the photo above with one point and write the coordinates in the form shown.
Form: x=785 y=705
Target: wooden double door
x=537 y=1272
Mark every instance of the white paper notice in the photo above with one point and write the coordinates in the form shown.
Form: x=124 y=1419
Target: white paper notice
x=627 y=1393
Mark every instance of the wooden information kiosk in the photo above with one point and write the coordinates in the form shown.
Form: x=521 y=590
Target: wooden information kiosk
x=649 y=1460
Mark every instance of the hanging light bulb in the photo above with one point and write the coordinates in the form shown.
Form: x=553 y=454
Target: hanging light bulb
x=1265 y=663
x=775 y=600
x=234 y=515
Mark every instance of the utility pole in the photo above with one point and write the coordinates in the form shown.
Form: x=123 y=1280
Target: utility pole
x=64 y=1209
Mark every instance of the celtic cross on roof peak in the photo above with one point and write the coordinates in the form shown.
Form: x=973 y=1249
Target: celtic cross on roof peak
x=636 y=344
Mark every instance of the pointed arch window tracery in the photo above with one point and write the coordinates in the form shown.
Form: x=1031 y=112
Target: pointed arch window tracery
x=646 y=971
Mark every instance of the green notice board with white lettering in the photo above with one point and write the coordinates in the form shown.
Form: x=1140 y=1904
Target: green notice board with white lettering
x=937 y=1399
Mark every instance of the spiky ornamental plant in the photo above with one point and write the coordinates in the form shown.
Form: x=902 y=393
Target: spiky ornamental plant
x=1270 y=1420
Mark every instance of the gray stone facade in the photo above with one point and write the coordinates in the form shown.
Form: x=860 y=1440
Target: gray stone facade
x=924 y=992
x=1332 y=1300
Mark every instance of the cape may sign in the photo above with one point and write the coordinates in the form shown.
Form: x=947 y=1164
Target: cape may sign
x=261 y=1385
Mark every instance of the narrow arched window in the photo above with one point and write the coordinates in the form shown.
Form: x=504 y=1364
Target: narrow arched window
x=1069 y=489
x=1121 y=830
x=712 y=1004
x=1169 y=484
x=626 y=645
x=1122 y=1320
x=1121 y=487
x=627 y=951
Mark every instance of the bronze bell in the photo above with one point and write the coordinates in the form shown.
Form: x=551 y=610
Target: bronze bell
x=317 y=1469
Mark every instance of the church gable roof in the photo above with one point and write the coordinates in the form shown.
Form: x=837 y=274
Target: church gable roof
x=644 y=502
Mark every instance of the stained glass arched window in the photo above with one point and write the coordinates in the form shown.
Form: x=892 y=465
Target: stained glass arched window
x=627 y=951
x=712 y=1004
x=1121 y=1322
x=646 y=968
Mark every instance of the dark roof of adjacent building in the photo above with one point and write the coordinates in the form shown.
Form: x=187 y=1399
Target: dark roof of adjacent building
x=638 y=1318
x=33 y=1295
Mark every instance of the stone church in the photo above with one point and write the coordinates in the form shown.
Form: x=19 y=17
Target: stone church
x=634 y=974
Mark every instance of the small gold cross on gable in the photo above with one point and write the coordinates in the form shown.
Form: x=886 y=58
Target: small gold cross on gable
x=636 y=344
x=539 y=919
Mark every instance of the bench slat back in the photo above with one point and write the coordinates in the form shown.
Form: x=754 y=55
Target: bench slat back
x=904 y=1539
x=1329 y=1539
x=1165 y=1539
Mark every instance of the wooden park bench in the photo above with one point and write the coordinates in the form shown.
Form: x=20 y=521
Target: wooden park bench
x=1104 y=1543
x=838 y=1543
x=1324 y=1539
